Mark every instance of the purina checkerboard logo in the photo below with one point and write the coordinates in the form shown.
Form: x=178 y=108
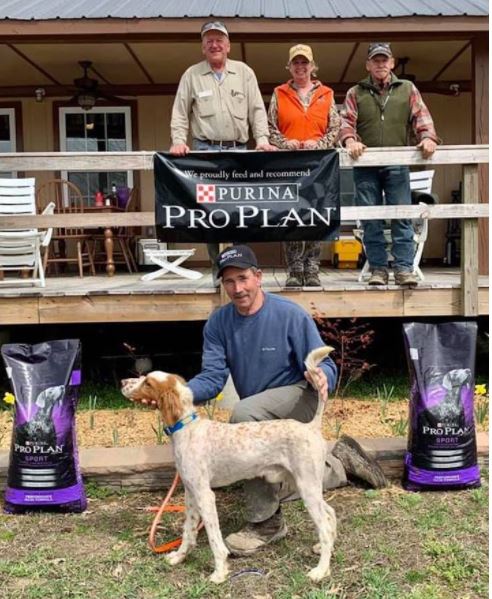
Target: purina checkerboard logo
x=205 y=194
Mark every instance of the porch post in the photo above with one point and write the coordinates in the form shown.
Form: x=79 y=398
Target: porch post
x=480 y=128
x=469 y=245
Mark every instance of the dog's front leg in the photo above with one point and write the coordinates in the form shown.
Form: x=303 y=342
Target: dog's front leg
x=190 y=531
x=208 y=511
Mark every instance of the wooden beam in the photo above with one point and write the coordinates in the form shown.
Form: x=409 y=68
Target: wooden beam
x=180 y=29
x=88 y=220
x=100 y=161
x=169 y=89
x=33 y=64
x=140 y=64
x=469 y=245
x=98 y=74
x=348 y=63
x=480 y=129
x=450 y=61
x=127 y=308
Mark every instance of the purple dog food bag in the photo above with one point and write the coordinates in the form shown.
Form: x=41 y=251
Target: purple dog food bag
x=44 y=471
x=442 y=446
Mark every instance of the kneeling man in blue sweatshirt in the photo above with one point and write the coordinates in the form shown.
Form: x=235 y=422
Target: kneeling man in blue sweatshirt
x=261 y=340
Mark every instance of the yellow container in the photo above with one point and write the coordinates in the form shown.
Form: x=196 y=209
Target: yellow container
x=346 y=253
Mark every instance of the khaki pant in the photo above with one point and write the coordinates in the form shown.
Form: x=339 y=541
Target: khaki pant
x=299 y=402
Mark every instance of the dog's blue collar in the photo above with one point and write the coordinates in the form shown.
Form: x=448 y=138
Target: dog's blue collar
x=169 y=430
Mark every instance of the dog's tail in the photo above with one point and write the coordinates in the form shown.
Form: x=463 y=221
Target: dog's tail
x=312 y=360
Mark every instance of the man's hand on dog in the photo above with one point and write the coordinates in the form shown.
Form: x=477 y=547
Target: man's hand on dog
x=319 y=382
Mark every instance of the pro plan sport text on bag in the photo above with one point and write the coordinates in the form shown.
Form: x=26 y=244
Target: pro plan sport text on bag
x=442 y=446
x=44 y=469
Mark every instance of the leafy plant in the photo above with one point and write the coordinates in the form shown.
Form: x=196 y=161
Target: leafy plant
x=212 y=404
x=92 y=406
x=116 y=437
x=94 y=490
x=399 y=427
x=384 y=396
x=337 y=428
x=349 y=340
x=481 y=404
x=159 y=429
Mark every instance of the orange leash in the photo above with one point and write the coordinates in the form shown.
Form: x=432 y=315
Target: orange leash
x=170 y=545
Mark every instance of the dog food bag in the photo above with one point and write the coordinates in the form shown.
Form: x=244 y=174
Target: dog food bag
x=442 y=446
x=44 y=471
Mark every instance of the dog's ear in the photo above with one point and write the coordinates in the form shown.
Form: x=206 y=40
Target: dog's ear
x=168 y=398
x=171 y=403
x=41 y=399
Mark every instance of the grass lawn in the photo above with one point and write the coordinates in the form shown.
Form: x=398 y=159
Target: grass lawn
x=391 y=544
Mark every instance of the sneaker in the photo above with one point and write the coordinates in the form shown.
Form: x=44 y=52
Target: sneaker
x=379 y=276
x=358 y=463
x=312 y=280
x=405 y=278
x=294 y=280
x=256 y=536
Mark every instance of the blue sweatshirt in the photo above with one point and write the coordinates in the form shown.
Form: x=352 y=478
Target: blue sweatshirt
x=261 y=351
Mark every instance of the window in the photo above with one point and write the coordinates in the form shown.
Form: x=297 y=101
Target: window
x=7 y=135
x=102 y=129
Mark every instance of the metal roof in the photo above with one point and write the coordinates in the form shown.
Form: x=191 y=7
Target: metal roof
x=268 y=9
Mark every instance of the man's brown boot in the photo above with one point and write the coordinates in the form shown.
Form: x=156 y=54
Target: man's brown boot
x=405 y=278
x=256 y=536
x=295 y=279
x=379 y=276
x=358 y=463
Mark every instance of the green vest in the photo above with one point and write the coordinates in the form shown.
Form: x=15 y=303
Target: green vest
x=384 y=120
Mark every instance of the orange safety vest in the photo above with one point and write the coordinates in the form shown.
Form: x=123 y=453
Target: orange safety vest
x=297 y=122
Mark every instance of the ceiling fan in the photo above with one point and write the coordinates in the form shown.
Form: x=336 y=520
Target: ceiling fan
x=87 y=89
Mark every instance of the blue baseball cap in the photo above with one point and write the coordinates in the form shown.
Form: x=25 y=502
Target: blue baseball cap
x=240 y=256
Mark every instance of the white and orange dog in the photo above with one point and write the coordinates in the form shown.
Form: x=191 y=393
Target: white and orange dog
x=212 y=454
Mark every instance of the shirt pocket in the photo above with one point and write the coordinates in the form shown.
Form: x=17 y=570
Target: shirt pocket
x=205 y=106
x=239 y=106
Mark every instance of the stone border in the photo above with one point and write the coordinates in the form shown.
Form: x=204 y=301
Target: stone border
x=151 y=468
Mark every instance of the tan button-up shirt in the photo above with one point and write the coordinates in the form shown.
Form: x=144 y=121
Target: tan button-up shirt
x=219 y=110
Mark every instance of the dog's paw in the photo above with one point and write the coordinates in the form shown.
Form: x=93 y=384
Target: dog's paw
x=316 y=549
x=219 y=576
x=317 y=574
x=175 y=557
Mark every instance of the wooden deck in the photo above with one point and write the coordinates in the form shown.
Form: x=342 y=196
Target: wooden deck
x=125 y=298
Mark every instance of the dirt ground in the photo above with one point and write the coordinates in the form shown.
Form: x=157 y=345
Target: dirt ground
x=138 y=426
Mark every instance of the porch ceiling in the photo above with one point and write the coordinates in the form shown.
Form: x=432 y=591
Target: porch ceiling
x=148 y=63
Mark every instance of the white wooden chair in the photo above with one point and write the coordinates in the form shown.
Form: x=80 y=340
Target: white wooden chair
x=420 y=183
x=20 y=249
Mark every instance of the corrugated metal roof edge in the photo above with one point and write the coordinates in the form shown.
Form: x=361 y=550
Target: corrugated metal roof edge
x=259 y=17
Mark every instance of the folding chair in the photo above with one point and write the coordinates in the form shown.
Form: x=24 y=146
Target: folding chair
x=20 y=249
x=420 y=185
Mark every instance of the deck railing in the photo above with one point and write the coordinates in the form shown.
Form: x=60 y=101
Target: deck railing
x=469 y=211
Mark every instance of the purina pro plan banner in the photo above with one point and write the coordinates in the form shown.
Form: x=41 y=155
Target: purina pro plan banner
x=247 y=196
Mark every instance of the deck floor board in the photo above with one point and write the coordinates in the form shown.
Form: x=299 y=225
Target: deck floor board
x=88 y=299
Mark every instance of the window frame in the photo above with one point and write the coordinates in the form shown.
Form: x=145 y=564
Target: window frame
x=14 y=110
x=127 y=110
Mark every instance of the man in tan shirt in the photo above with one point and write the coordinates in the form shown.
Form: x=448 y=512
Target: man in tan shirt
x=219 y=100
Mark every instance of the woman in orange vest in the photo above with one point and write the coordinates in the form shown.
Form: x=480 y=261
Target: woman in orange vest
x=303 y=116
